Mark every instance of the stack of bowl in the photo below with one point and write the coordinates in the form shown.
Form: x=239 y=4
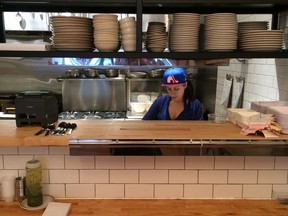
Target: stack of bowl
x=71 y=33
x=128 y=33
x=106 y=32
x=221 y=32
x=184 y=32
x=156 y=40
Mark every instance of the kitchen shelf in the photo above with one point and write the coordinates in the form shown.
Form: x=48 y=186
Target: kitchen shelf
x=169 y=55
x=140 y=7
x=158 y=6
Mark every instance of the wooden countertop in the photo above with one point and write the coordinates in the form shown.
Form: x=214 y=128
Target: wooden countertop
x=11 y=135
x=167 y=207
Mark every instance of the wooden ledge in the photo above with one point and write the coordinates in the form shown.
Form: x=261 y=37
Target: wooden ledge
x=167 y=207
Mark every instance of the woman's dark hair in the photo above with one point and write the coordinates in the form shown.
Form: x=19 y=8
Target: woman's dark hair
x=189 y=93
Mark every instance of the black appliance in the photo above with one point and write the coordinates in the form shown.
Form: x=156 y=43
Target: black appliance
x=36 y=107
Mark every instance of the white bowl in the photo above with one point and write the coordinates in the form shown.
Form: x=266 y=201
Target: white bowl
x=129 y=42
x=127 y=19
x=125 y=31
x=129 y=45
x=148 y=105
x=105 y=16
x=106 y=47
x=131 y=24
x=128 y=37
x=138 y=107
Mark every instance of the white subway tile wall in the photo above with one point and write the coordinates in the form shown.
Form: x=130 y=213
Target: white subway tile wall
x=227 y=191
x=174 y=191
x=258 y=191
x=110 y=191
x=109 y=162
x=139 y=191
x=80 y=190
x=198 y=191
x=113 y=177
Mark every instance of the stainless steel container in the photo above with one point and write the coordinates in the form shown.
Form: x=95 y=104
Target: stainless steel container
x=20 y=188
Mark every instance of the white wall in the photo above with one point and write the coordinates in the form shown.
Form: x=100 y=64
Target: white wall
x=150 y=176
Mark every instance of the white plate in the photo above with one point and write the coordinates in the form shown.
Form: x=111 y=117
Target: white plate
x=46 y=200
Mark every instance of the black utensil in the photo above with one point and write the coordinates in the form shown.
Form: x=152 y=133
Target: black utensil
x=64 y=129
x=58 y=129
x=72 y=127
x=49 y=128
x=40 y=131
x=62 y=126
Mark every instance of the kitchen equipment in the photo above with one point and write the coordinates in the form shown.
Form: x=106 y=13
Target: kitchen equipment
x=36 y=107
x=34 y=183
x=137 y=74
x=20 y=184
x=91 y=115
x=90 y=72
x=94 y=94
x=112 y=72
x=156 y=73
x=72 y=73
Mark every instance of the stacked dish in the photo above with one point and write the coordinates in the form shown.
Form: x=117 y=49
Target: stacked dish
x=71 y=33
x=221 y=32
x=261 y=40
x=156 y=40
x=106 y=32
x=128 y=33
x=253 y=25
x=184 y=32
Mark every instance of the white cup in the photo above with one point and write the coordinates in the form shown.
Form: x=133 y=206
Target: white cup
x=8 y=188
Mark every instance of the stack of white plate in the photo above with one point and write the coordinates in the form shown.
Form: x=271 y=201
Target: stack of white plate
x=106 y=32
x=156 y=40
x=221 y=32
x=261 y=40
x=128 y=33
x=184 y=32
x=71 y=33
x=253 y=25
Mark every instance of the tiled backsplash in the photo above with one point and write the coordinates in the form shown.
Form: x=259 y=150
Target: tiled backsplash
x=265 y=79
x=66 y=176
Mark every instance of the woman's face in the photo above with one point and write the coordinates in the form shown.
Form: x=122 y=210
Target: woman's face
x=176 y=92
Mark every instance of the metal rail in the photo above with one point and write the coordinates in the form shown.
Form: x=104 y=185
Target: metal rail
x=182 y=146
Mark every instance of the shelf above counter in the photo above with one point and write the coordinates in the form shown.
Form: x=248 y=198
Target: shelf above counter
x=149 y=6
x=168 y=55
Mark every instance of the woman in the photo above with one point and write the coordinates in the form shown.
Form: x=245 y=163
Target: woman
x=180 y=104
